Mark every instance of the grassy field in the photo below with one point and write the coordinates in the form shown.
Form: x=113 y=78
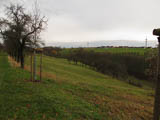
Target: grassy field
x=69 y=92
x=120 y=50
x=140 y=51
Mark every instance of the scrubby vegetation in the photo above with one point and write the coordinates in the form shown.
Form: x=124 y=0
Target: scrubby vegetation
x=140 y=51
x=137 y=63
x=119 y=64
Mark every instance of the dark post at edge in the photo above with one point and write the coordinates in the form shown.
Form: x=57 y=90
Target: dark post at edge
x=156 y=111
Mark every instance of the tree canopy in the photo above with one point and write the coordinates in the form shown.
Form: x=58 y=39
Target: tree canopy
x=21 y=29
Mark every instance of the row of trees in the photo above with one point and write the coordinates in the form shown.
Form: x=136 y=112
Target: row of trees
x=20 y=30
x=118 y=65
x=52 y=51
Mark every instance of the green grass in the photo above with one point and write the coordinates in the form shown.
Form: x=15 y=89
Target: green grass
x=69 y=92
x=120 y=50
x=140 y=51
x=94 y=87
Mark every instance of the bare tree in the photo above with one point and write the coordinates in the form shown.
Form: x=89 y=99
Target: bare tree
x=23 y=27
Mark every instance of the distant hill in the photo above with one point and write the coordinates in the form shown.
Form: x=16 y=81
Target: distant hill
x=130 y=43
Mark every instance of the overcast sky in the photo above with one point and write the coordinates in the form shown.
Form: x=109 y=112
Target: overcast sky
x=93 y=20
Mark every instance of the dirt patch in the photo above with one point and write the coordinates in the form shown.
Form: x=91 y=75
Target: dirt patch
x=13 y=62
x=44 y=74
x=130 y=108
x=119 y=106
x=137 y=99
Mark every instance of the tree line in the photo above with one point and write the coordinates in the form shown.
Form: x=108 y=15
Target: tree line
x=20 y=30
x=119 y=65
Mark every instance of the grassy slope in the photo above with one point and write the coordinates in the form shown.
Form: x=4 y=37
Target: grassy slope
x=110 y=97
x=69 y=92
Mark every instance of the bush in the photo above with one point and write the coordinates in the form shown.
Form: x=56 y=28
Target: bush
x=117 y=65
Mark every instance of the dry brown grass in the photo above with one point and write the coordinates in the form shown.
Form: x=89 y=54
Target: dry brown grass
x=13 y=62
x=44 y=74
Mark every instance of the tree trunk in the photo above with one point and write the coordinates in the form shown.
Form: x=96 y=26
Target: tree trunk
x=34 y=66
x=31 y=67
x=18 y=59
x=22 y=58
x=18 y=55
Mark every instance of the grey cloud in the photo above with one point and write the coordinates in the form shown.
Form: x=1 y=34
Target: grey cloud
x=99 y=17
x=107 y=14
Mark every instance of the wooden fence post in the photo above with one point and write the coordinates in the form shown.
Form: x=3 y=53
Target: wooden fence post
x=157 y=92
